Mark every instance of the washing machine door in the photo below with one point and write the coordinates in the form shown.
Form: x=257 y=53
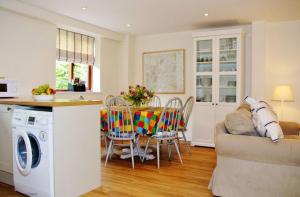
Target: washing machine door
x=23 y=152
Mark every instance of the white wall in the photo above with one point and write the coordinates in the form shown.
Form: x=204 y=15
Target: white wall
x=276 y=58
x=27 y=50
x=178 y=40
x=28 y=54
x=258 y=59
x=109 y=66
x=181 y=40
x=283 y=63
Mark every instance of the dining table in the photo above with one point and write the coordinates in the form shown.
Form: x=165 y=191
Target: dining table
x=145 y=122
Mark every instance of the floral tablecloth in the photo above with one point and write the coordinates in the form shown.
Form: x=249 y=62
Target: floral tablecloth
x=144 y=121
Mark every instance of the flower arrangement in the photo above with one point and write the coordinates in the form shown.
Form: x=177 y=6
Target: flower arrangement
x=138 y=95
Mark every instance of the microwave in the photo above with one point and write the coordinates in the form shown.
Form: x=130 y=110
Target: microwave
x=8 y=88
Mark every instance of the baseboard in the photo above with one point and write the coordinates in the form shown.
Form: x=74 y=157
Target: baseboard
x=6 y=178
x=206 y=144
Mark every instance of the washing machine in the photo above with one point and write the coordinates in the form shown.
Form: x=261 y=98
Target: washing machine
x=32 y=132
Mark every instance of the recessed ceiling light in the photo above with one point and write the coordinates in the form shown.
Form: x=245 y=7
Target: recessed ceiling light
x=128 y=25
x=205 y=14
x=84 y=8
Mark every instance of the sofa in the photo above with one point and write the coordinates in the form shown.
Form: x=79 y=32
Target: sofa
x=256 y=166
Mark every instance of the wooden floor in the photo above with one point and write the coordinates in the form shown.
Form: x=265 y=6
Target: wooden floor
x=172 y=179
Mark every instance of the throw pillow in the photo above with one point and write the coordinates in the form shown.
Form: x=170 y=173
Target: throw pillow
x=264 y=119
x=239 y=122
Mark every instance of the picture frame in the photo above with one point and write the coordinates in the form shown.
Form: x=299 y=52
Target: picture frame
x=164 y=71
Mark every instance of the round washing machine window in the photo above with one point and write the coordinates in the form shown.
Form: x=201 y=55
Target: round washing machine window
x=22 y=153
x=35 y=149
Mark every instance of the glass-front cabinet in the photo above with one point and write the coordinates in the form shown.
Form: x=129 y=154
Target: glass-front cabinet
x=204 y=69
x=217 y=81
x=217 y=69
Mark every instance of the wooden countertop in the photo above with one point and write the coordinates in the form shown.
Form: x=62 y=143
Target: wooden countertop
x=54 y=103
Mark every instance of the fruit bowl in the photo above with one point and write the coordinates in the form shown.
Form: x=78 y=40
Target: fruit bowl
x=43 y=93
x=43 y=97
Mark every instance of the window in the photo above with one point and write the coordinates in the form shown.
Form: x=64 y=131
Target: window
x=74 y=58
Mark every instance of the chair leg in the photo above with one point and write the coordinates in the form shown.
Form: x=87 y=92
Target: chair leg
x=169 y=150
x=111 y=149
x=177 y=149
x=105 y=141
x=138 y=147
x=158 y=153
x=186 y=143
x=178 y=143
x=146 y=148
x=131 y=150
x=108 y=152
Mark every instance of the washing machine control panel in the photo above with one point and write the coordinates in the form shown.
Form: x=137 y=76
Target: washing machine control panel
x=38 y=120
x=31 y=120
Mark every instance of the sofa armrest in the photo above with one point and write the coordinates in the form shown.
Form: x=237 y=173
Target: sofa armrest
x=260 y=149
x=289 y=128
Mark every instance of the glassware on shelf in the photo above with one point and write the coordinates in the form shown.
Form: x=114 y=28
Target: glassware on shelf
x=201 y=57
x=227 y=66
x=228 y=44
x=204 y=67
x=227 y=88
x=204 y=88
x=203 y=95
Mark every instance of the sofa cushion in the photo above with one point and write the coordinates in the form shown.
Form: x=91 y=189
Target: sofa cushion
x=264 y=119
x=239 y=122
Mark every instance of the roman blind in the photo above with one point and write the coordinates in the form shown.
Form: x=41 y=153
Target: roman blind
x=74 y=47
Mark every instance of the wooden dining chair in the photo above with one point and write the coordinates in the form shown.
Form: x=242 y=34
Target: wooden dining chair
x=155 y=102
x=186 y=113
x=120 y=126
x=107 y=98
x=103 y=133
x=167 y=128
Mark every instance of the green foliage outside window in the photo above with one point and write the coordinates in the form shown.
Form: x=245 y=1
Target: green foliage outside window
x=63 y=72
x=62 y=75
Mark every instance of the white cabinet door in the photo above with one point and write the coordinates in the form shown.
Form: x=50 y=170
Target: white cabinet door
x=6 y=150
x=217 y=61
x=228 y=69
x=205 y=82
x=203 y=125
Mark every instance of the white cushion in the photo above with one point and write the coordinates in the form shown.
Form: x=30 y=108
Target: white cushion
x=264 y=119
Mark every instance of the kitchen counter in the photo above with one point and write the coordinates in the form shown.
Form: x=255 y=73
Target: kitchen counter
x=54 y=103
x=76 y=143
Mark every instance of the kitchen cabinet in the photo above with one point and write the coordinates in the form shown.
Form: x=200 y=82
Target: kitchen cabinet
x=74 y=155
x=6 y=148
x=218 y=66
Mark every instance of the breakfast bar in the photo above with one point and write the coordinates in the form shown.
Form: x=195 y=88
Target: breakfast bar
x=75 y=143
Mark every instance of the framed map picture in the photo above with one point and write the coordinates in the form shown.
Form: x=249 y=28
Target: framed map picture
x=163 y=71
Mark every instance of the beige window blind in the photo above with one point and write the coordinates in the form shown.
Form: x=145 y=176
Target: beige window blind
x=74 y=47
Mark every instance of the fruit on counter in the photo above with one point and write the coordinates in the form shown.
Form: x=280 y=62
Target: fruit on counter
x=43 y=90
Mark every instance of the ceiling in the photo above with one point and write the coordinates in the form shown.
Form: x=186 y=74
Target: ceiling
x=160 y=16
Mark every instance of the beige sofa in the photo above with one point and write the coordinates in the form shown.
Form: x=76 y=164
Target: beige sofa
x=255 y=166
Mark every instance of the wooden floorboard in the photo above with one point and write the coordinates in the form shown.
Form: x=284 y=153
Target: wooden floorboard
x=172 y=179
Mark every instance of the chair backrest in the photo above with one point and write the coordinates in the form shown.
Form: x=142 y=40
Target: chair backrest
x=155 y=102
x=120 y=120
x=187 y=110
x=170 y=117
x=107 y=98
